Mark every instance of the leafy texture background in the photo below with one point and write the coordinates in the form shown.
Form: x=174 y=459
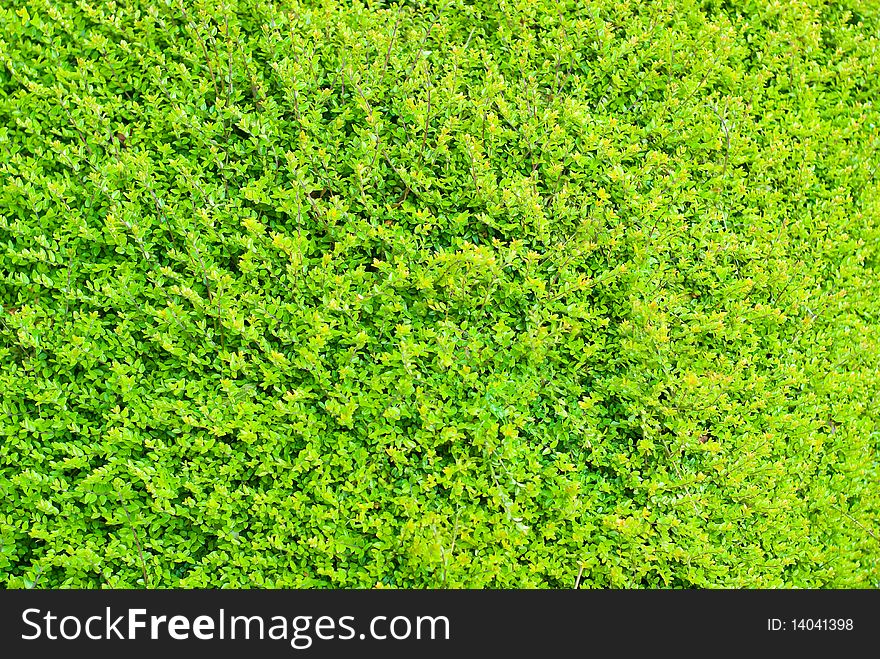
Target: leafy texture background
x=439 y=294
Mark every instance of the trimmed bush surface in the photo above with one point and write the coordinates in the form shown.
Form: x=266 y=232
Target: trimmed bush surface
x=439 y=294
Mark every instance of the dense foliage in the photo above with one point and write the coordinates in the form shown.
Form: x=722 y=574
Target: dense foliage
x=439 y=294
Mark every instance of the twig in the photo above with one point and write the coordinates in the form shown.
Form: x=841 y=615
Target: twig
x=724 y=128
x=39 y=574
x=427 y=121
x=418 y=53
x=855 y=521
x=468 y=41
x=454 y=530
x=137 y=542
x=79 y=132
x=204 y=49
x=228 y=101
x=360 y=93
x=391 y=42
x=403 y=180
x=255 y=92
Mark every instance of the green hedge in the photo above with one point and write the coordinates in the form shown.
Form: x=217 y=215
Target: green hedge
x=439 y=294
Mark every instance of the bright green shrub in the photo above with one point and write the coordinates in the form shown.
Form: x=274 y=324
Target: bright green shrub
x=518 y=294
